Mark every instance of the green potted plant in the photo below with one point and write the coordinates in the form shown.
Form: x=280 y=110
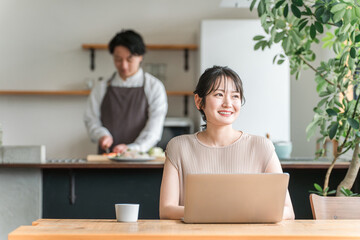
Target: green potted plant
x=298 y=25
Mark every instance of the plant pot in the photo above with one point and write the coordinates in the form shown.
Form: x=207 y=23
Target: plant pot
x=335 y=207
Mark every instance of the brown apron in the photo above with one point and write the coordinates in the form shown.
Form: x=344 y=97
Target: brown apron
x=124 y=112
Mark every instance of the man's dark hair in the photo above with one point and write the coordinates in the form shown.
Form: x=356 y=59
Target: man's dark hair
x=129 y=39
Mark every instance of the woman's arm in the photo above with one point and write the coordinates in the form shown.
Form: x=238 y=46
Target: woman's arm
x=274 y=166
x=169 y=193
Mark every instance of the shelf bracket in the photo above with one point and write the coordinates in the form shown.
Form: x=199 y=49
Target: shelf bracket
x=72 y=196
x=92 y=59
x=186 y=59
x=186 y=100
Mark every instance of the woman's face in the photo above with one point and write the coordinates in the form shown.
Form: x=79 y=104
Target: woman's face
x=222 y=106
x=126 y=63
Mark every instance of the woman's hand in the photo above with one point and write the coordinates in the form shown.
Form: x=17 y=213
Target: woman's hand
x=120 y=148
x=105 y=142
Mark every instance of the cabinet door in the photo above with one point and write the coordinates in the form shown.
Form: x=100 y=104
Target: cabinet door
x=266 y=85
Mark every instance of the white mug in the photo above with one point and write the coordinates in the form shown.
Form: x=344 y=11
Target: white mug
x=126 y=212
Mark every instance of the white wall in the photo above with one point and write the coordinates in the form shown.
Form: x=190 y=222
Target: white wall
x=40 y=49
x=266 y=86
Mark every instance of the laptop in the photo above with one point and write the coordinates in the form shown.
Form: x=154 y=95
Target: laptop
x=235 y=198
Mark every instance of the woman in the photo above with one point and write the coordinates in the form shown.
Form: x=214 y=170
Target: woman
x=219 y=148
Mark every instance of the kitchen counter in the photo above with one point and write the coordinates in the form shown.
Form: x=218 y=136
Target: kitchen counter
x=85 y=164
x=290 y=163
x=76 y=188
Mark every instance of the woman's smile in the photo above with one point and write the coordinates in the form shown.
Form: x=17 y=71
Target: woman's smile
x=225 y=113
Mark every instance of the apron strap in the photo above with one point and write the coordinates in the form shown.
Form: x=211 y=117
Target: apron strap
x=110 y=80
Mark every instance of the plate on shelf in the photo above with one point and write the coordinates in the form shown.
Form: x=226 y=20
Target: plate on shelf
x=129 y=159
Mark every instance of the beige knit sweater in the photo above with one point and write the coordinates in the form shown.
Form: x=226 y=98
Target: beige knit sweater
x=249 y=154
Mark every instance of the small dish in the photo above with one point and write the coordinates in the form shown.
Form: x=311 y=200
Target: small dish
x=129 y=159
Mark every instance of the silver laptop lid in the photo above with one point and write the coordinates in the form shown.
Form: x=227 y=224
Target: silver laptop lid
x=235 y=198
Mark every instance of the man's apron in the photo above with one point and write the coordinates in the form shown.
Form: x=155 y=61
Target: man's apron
x=124 y=112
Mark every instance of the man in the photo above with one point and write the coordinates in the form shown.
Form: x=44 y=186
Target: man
x=128 y=109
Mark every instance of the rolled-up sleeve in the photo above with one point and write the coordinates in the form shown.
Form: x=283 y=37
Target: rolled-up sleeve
x=92 y=113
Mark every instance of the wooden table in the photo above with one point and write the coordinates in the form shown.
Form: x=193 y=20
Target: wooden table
x=72 y=229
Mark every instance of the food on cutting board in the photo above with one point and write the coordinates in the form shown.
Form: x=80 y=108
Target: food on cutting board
x=133 y=154
x=112 y=154
x=155 y=152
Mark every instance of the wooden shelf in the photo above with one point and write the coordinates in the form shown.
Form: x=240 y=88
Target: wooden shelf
x=179 y=93
x=44 y=92
x=149 y=46
x=77 y=92
x=183 y=47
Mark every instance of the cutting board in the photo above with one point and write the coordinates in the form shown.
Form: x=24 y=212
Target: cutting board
x=97 y=158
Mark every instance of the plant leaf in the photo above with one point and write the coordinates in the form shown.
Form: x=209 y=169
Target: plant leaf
x=331 y=192
x=279 y=36
x=342 y=190
x=328 y=37
x=323 y=94
x=279 y=3
x=274 y=59
x=258 y=45
x=261 y=8
x=353 y=123
x=322 y=102
x=353 y=52
x=338 y=7
x=296 y=11
x=319 y=27
x=319 y=12
x=286 y=10
x=280 y=24
x=298 y=2
x=317 y=187
x=258 y=37
x=333 y=129
x=326 y=16
x=357 y=12
x=302 y=25
x=331 y=112
x=252 y=4
x=357 y=38
x=338 y=15
x=295 y=37
x=311 y=129
x=312 y=31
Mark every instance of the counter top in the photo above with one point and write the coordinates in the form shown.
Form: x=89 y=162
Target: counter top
x=85 y=164
x=56 y=229
x=291 y=163
x=311 y=163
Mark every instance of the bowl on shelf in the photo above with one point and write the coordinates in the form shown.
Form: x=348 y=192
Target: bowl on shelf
x=283 y=149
